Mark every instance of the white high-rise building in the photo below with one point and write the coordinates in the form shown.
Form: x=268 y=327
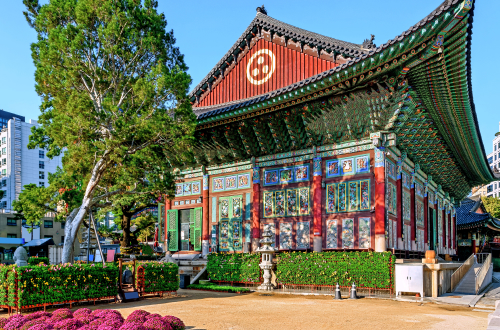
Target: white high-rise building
x=493 y=189
x=19 y=165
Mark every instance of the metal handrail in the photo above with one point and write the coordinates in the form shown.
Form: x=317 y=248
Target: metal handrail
x=481 y=274
x=459 y=274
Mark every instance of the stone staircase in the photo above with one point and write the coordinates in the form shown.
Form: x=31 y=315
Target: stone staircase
x=468 y=283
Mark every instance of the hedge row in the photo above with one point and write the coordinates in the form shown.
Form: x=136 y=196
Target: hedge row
x=213 y=287
x=366 y=269
x=62 y=283
x=160 y=276
x=235 y=267
x=34 y=261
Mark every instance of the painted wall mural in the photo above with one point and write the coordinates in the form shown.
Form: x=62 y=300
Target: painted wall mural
x=420 y=213
x=286 y=202
x=406 y=180
x=364 y=225
x=188 y=188
x=303 y=235
x=419 y=190
x=348 y=196
x=231 y=182
x=347 y=166
x=285 y=175
x=391 y=169
x=285 y=236
x=348 y=233
x=406 y=206
x=392 y=198
x=272 y=228
x=331 y=234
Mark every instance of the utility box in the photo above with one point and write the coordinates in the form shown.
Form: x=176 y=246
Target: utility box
x=410 y=279
x=184 y=281
x=55 y=254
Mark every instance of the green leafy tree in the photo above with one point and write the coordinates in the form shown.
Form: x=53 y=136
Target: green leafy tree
x=492 y=205
x=114 y=91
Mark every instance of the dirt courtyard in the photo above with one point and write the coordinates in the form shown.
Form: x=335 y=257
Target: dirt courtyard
x=212 y=310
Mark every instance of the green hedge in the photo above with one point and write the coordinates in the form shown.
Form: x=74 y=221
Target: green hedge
x=34 y=261
x=214 y=287
x=60 y=283
x=7 y=287
x=160 y=276
x=366 y=269
x=234 y=267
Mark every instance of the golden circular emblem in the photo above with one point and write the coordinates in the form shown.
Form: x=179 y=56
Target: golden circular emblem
x=266 y=64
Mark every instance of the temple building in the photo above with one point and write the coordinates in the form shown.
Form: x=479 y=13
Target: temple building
x=333 y=145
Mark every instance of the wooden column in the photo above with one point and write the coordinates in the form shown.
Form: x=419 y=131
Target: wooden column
x=413 y=218
x=317 y=209
x=449 y=231
x=454 y=240
x=426 y=219
x=399 y=211
x=443 y=230
x=256 y=209
x=380 y=207
x=206 y=219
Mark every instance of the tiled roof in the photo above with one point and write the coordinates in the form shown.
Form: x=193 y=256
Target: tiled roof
x=466 y=215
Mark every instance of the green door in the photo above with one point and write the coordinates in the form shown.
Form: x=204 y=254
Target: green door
x=172 y=230
x=230 y=217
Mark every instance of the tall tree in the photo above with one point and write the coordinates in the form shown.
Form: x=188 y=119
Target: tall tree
x=492 y=205
x=113 y=88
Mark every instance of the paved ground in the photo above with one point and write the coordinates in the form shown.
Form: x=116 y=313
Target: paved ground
x=210 y=310
x=490 y=296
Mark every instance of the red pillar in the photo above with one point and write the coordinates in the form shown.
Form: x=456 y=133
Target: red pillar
x=413 y=218
x=449 y=230
x=454 y=240
x=205 y=232
x=168 y=206
x=426 y=218
x=380 y=207
x=256 y=206
x=317 y=200
x=399 y=211
x=443 y=237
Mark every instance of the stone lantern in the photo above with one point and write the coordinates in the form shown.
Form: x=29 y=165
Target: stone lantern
x=267 y=259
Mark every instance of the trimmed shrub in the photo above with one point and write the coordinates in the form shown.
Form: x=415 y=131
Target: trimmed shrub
x=160 y=276
x=234 y=267
x=34 y=261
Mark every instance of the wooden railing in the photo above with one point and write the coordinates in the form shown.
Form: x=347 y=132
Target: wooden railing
x=485 y=260
x=459 y=274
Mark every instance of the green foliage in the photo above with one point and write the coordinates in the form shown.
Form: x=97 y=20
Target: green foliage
x=34 y=261
x=6 y=286
x=147 y=250
x=214 y=287
x=160 y=276
x=235 y=267
x=366 y=269
x=492 y=205
x=60 y=283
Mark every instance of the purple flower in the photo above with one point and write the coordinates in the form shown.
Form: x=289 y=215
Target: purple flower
x=68 y=324
x=29 y=324
x=63 y=313
x=3 y=322
x=85 y=318
x=81 y=312
x=174 y=322
x=137 y=316
x=15 y=322
x=41 y=326
x=37 y=315
x=157 y=316
x=106 y=327
x=156 y=324
x=132 y=326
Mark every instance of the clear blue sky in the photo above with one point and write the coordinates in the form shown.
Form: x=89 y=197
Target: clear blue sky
x=205 y=30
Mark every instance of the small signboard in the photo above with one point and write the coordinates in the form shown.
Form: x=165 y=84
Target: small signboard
x=464 y=242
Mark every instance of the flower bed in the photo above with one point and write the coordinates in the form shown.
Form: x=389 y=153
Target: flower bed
x=218 y=288
x=234 y=267
x=85 y=319
x=158 y=276
x=39 y=285
x=34 y=261
x=367 y=269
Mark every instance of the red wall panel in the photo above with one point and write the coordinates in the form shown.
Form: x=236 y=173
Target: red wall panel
x=290 y=67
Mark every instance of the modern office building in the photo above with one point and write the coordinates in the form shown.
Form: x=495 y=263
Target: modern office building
x=6 y=116
x=493 y=189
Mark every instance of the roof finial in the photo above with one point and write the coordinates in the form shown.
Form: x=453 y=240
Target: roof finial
x=262 y=10
x=369 y=44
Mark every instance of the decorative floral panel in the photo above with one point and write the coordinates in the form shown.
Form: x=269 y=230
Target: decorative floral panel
x=301 y=173
x=332 y=168
x=406 y=180
x=389 y=234
x=394 y=233
x=236 y=229
x=364 y=233
x=196 y=187
x=224 y=208
x=187 y=188
x=236 y=207
x=347 y=166
x=224 y=229
x=331 y=234
x=406 y=206
x=331 y=205
x=268 y=204
x=179 y=190
x=420 y=213
x=244 y=180
x=285 y=236
x=362 y=164
x=348 y=233
x=392 y=199
x=353 y=196
x=364 y=188
x=303 y=201
x=272 y=228
x=291 y=202
x=280 y=203
x=270 y=177
x=419 y=190
x=286 y=175
x=391 y=169
x=303 y=235
x=218 y=184
x=342 y=197
x=230 y=182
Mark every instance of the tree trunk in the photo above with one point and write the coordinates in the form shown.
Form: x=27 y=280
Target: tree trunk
x=126 y=217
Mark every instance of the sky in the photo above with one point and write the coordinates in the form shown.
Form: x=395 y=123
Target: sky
x=205 y=30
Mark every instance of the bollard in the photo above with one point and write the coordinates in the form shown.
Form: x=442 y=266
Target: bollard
x=338 y=296
x=353 y=292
